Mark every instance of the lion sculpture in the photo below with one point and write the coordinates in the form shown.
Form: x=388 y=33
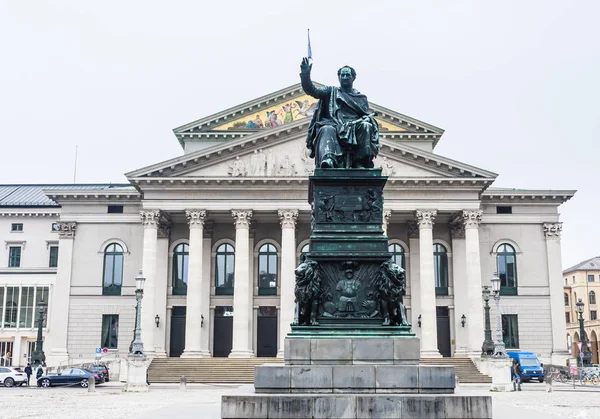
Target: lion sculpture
x=390 y=285
x=307 y=292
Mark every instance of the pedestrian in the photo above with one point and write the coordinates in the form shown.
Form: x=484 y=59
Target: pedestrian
x=28 y=371
x=516 y=376
x=7 y=362
x=39 y=372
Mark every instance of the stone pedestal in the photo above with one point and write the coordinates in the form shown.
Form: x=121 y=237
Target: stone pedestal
x=499 y=369
x=137 y=370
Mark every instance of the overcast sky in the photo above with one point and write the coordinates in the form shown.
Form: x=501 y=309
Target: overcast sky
x=513 y=83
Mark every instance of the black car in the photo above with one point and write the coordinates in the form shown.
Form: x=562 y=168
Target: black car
x=73 y=376
x=100 y=369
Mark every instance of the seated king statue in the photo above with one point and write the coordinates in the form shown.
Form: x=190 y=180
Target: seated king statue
x=343 y=133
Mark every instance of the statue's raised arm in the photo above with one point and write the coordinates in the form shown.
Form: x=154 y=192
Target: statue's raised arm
x=307 y=84
x=343 y=132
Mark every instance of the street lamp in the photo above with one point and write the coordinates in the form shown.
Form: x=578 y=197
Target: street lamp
x=137 y=347
x=488 y=344
x=39 y=358
x=499 y=349
x=587 y=355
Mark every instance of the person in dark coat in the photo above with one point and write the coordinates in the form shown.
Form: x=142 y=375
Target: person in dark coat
x=28 y=371
x=39 y=372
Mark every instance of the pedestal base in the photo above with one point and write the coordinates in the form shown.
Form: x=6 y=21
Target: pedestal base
x=137 y=372
x=278 y=406
x=499 y=369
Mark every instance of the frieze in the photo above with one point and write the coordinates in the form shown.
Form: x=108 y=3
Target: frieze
x=552 y=230
x=270 y=164
x=350 y=204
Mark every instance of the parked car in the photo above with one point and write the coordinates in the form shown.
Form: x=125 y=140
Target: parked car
x=10 y=376
x=531 y=369
x=71 y=376
x=100 y=369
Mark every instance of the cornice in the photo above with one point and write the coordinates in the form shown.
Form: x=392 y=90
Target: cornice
x=522 y=196
x=19 y=212
x=94 y=195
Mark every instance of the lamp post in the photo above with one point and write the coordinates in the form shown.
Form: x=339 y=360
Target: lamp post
x=587 y=355
x=488 y=344
x=39 y=358
x=137 y=347
x=499 y=349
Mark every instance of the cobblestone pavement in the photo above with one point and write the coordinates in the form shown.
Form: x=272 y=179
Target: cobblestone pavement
x=203 y=402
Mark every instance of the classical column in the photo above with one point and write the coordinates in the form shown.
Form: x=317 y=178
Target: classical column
x=387 y=214
x=193 y=312
x=474 y=325
x=414 y=260
x=205 y=293
x=288 y=219
x=242 y=291
x=151 y=220
x=162 y=277
x=555 y=283
x=58 y=319
x=459 y=273
x=429 y=348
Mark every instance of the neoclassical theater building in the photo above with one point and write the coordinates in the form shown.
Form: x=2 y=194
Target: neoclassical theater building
x=218 y=231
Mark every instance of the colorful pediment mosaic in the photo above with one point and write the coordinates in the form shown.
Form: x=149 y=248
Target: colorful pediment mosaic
x=284 y=113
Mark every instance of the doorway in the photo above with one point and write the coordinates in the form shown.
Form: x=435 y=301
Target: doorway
x=443 y=331
x=223 y=331
x=266 y=339
x=177 y=332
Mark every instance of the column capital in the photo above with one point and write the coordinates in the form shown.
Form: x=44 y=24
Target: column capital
x=66 y=229
x=150 y=218
x=195 y=218
x=471 y=218
x=552 y=231
x=242 y=218
x=425 y=218
x=208 y=228
x=164 y=229
x=288 y=217
x=457 y=230
x=412 y=229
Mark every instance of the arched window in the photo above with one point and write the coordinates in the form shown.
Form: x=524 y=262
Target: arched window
x=305 y=249
x=507 y=269
x=113 y=270
x=224 y=269
x=566 y=299
x=440 y=266
x=398 y=256
x=181 y=255
x=592 y=297
x=267 y=270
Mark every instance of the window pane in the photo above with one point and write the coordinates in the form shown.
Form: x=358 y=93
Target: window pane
x=220 y=270
x=53 y=263
x=108 y=270
x=14 y=257
x=110 y=331
x=510 y=330
x=118 y=270
x=26 y=310
x=11 y=308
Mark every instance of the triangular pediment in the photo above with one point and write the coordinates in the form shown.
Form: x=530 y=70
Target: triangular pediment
x=282 y=108
x=281 y=153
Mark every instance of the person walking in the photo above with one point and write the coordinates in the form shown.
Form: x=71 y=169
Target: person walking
x=28 y=371
x=39 y=372
x=516 y=376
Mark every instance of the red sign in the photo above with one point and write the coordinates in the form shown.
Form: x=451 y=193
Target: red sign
x=104 y=350
x=579 y=345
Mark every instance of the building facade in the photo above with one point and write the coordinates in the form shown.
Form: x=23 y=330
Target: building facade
x=218 y=231
x=582 y=282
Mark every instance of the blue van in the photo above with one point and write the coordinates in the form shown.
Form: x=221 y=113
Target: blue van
x=531 y=369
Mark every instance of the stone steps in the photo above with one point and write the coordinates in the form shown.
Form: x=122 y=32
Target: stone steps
x=464 y=368
x=206 y=370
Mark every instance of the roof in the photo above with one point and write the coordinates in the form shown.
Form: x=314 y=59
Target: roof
x=34 y=196
x=592 y=264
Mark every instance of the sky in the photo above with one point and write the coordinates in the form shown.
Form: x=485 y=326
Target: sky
x=513 y=83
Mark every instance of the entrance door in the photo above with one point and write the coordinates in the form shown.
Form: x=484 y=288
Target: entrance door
x=223 y=331
x=443 y=331
x=266 y=342
x=177 y=332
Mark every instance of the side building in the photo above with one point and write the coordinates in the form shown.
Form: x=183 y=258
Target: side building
x=582 y=283
x=211 y=230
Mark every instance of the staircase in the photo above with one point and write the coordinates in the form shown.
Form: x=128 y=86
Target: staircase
x=464 y=368
x=206 y=370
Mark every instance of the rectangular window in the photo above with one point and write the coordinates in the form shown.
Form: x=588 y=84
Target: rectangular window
x=16 y=227
x=26 y=307
x=573 y=278
x=110 y=331
x=11 y=307
x=53 y=263
x=593 y=315
x=503 y=210
x=510 y=330
x=54 y=226
x=568 y=317
x=115 y=209
x=590 y=278
x=14 y=257
x=42 y=294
